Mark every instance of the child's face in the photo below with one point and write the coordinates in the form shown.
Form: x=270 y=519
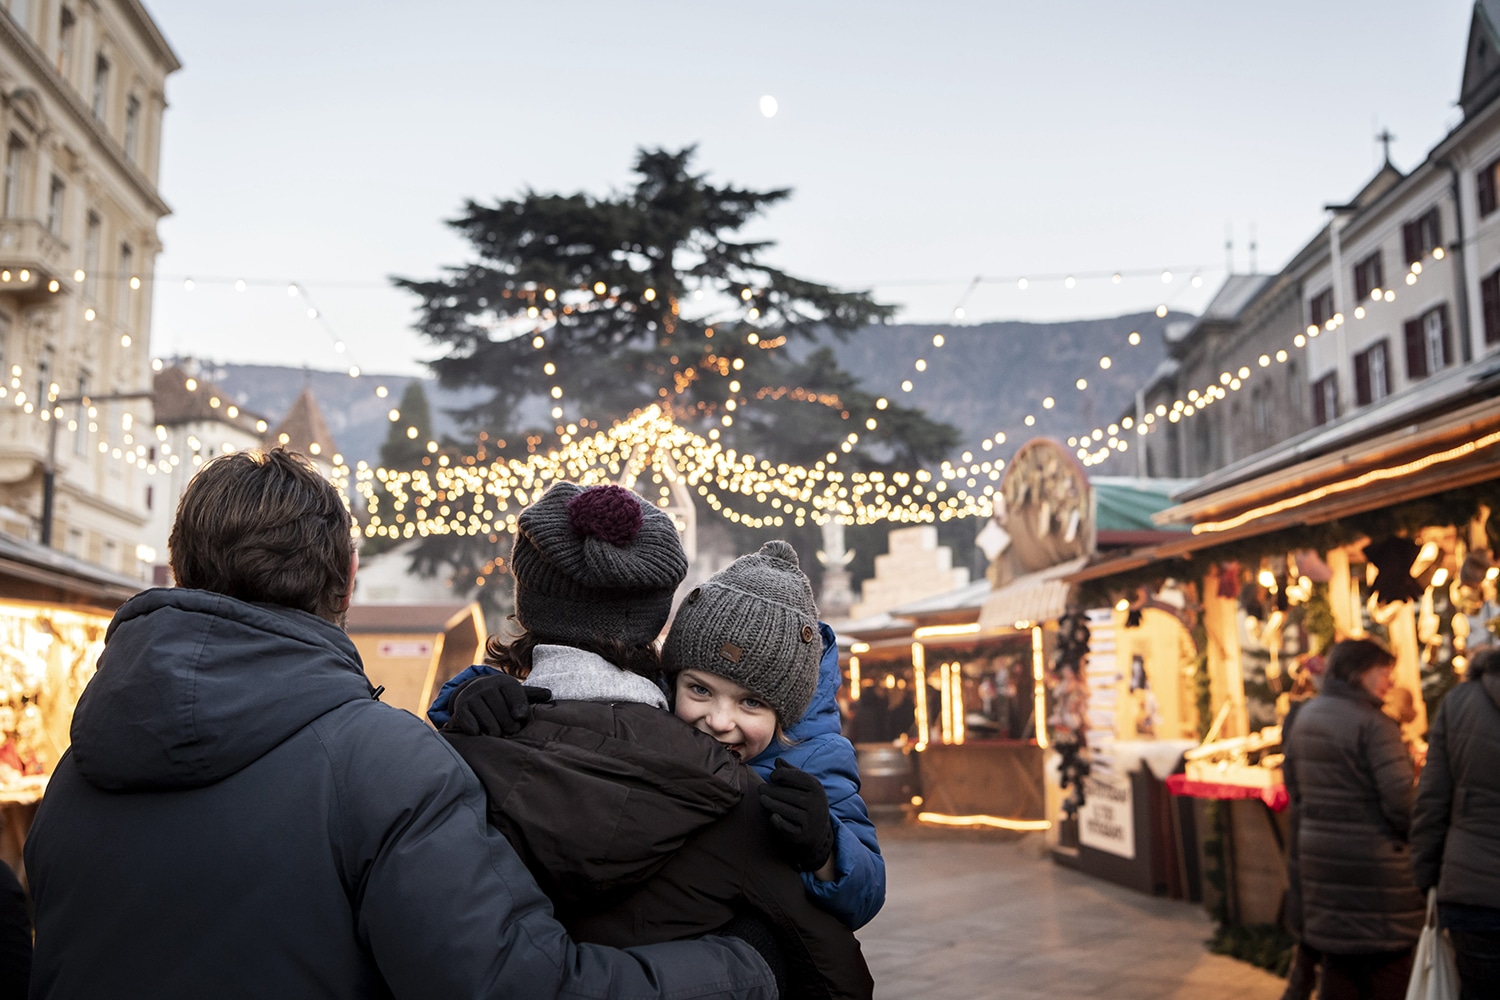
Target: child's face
x=725 y=711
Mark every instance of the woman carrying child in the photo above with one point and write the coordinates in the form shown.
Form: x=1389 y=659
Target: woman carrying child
x=639 y=828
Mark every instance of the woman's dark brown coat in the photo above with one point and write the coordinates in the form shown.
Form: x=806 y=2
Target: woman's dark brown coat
x=641 y=830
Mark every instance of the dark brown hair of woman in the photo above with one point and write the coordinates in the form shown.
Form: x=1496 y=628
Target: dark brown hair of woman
x=514 y=657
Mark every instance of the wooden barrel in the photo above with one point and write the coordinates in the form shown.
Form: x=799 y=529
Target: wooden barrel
x=887 y=779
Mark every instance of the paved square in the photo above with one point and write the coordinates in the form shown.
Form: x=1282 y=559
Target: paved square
x=977 y=915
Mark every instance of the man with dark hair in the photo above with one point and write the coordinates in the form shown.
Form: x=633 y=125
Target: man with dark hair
x=239 y=816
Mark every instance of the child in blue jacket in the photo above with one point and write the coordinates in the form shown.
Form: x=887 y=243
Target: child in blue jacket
x=750 y=664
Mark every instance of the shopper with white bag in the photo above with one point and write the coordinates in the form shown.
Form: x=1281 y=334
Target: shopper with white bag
x=1455 y=832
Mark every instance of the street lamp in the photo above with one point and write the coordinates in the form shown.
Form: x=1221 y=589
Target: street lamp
x=49 y=469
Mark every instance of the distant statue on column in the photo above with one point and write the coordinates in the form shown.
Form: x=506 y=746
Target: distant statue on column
x=837 y=597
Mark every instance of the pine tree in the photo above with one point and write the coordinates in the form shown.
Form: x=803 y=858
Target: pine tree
x=583 y=309
x=648 y=296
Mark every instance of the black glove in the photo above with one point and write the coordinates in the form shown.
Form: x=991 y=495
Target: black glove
x=497 y=705
x=799 y=812
x=755 y=932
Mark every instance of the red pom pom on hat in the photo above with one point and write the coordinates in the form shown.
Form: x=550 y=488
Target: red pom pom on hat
x=609 y=513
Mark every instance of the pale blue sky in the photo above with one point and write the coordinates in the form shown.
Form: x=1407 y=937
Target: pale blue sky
x=325 y=142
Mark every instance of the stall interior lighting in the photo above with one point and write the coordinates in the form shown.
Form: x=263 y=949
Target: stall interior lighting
x=854 y=679
x=938 y=631
x=998 y=822
x=1039 y=686
x=1345 y=485
x=919 y=678
x=952 y=686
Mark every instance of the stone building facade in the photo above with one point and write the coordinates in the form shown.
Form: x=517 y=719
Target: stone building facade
x=1392 y=308
x=81 y=106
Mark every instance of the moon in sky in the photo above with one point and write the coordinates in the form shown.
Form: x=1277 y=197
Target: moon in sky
x=768 y=106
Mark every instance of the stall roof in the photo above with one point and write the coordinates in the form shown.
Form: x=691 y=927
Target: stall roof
x=33 y=572
x=1430 y=401
x=965 y=598
x=1036 y=597
x=1127 y=503
x=403 y=618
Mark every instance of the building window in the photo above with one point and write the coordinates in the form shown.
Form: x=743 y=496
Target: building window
x=1320 y=307
x=1427 y=343
x=81 y=435
x=55 y=206
x=44 y=375
x=122 y=283
x=1369 y=276
x=65 y=24
x=1260 y=403
x=91 y=256
x=132 y=125
x=1325 y=398
x=101 y=85
x=15 y=155
x=1372 y=380
x=1489 y=293
x=1422 y=235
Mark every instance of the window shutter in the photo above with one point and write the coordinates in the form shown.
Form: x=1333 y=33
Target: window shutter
x=1320 y=413
x=1362 y=394
x=1416 y=350
x=1484 y=183
x=1447 y=335
x=1434 y=231
x=1377 y=270
x=1490 y=292
x=1411 y=241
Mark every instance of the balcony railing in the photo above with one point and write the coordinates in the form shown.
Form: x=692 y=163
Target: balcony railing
x=31 y=258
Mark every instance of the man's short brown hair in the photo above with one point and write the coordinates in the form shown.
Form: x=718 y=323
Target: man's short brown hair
x=1351 y=657
x=264 y=526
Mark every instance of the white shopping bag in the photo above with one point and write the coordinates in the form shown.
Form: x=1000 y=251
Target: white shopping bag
x=1433 y=974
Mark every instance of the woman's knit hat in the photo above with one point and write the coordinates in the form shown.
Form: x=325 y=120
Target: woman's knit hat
x=595 y=563
x=754 y=623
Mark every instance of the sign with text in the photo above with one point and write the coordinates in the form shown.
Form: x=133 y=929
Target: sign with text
x=404 y=648
x=1106 y=820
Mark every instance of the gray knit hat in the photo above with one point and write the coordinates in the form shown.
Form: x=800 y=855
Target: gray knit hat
x=596 y=562
x=754 y=623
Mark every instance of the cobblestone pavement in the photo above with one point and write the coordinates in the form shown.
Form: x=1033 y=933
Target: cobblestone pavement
x=989 y=916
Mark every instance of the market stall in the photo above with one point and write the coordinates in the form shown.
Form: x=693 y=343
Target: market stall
x=410 y=650
x=1391 y=535
x=978 y=671
x=54 y=610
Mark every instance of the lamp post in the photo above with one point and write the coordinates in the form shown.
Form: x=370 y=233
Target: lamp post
x=49 y=468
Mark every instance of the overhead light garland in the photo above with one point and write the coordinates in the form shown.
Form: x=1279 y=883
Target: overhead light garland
x=1232 y=379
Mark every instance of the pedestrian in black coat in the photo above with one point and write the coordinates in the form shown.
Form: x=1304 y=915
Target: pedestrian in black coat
x=1350 y=780
x=1455 y=833
x=15 y=936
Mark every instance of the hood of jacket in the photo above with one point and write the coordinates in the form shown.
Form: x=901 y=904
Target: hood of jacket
x=1491 y=684
x=1334 y=687
x=193 y=686
x=822 y=714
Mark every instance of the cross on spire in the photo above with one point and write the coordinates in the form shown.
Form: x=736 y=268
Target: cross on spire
x=1385 y=138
